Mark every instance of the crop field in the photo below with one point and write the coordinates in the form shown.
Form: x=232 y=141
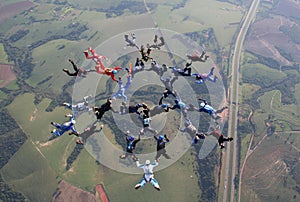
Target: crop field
x=267 y=173
x=199 y=18
x=50 y=60
x=29 y=172
x=258 y=73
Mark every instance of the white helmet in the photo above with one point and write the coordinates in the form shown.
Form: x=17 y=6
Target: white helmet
x=202 y=104
x=147 y=162
x=73 y=121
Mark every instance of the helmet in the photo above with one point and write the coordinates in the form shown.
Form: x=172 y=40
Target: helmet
x=73 y=121
x=131 y=138
x=176 y=101
x=202 y=104
x=147 y=162
x=161 y=137
x=163 y=105
x=114 y=71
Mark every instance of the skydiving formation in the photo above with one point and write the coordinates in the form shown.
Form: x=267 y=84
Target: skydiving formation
x=169 y=100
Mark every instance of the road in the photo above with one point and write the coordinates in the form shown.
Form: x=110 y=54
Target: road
x=234 y=104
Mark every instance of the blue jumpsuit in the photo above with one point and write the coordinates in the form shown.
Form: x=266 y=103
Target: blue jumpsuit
x=61 y=129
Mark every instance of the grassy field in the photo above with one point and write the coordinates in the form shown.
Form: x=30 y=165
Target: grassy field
x=49 y=61
x=253 y=73
x=3 y=55
x=2 y=95
x=247 y=90
x=269 y=176
x=183 y=187
x=199 y=18
x=29 y=172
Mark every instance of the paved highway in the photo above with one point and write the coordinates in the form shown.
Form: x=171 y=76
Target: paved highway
x=233 y=103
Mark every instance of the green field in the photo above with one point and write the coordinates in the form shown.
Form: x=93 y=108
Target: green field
x=29 y=172
x=3 y=55
x=199 y=18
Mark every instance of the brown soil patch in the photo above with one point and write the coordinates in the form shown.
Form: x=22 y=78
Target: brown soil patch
x=266 y=36
x=6 y=74
x=11 y=10
x=68 y=192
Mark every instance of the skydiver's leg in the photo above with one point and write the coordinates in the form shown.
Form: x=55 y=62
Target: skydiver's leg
x=140 y=184
x=58 y=132
x=202 y=54
x=69 y=73
x=151 y=130
x=123 y=94
x=67 y=105
x=127 y=83
x=57 y=125
x=160 y=101
x=74 y=65
x=211 y=72
x=155 y=184
x=158 y=154
x=165 y=154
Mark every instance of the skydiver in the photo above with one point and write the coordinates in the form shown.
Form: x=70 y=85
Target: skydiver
x=221 y=138
x=62 y=128
x=168 y=82
x=145 y=115
x=182 y=106
x=130 y=109
x=99 y=111
x=192 y=130
x=160 y=108
x=145 y=55
x=182 y=72
x=81 y=72
x=122 y=89
x=160 y=146
x=131 y=42
x=157 y=45
x=197 y=57
x=80 y=106
x=139 y=66
x=101 y=69
x=89 y=131
x=131 y=142
x=205 y=107
x=200 y=78
x=148 y=175
x=156 y=68
x=94 y=56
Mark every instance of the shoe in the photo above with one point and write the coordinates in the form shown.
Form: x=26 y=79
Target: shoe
x=65 y=70
x=157 y=188
x=230 y=139
x=79 y=142
x=137 y=186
